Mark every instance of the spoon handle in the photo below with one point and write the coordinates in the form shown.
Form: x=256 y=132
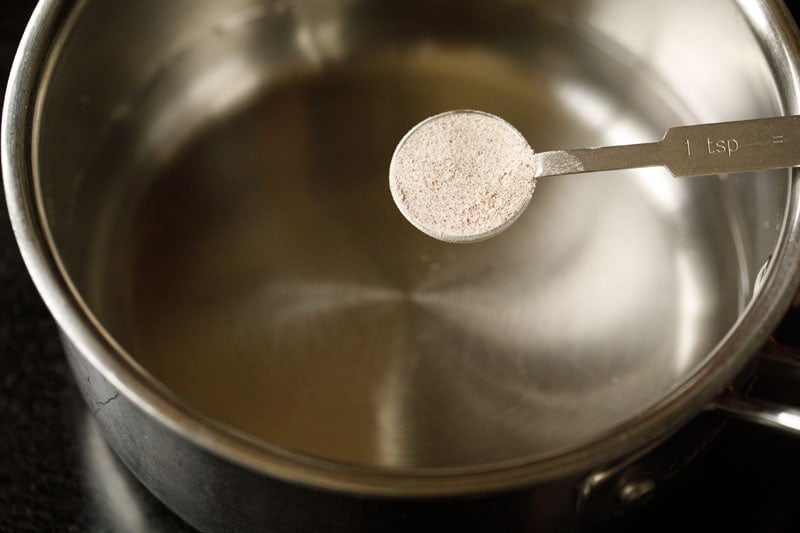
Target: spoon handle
x=686 y=151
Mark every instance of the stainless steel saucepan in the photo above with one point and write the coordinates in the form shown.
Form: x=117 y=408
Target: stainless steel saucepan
x=199 y=190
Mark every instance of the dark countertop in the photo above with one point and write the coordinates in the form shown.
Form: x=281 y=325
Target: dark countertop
x=57 y=474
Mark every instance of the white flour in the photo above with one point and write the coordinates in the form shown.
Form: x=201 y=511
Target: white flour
x=462 y=176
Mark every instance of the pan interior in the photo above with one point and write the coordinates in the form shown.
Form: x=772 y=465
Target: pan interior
x=249 y=256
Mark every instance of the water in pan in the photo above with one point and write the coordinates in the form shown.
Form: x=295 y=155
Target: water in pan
x=267 y=278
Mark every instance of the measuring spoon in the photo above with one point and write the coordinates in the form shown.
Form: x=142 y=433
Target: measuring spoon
x=466 y=175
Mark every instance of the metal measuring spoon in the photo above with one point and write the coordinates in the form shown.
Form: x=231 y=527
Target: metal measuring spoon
x=465 y=176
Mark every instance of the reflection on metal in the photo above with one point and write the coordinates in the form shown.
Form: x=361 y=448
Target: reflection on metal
x=790 y=420
x=761 y=411
x=695 y=303
x=120 y=503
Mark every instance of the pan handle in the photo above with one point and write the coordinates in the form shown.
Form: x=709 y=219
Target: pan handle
x=776 y=359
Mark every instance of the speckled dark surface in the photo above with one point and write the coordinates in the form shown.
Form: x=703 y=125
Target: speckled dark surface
x=57 y=475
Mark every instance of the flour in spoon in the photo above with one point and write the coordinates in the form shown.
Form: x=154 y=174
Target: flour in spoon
x=463 y=175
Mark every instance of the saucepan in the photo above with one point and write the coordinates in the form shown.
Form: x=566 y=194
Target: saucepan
x=199 y=190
